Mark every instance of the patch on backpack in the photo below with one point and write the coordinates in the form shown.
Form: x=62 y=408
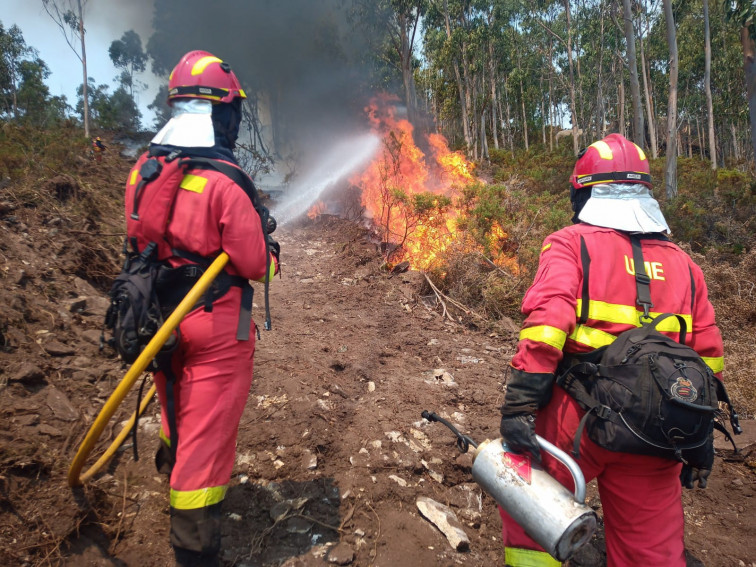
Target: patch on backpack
x=684 y=390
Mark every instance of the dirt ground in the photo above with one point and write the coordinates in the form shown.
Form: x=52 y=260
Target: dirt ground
x=332 y=454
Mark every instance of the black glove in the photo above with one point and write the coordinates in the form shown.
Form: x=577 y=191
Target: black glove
x=518 y=432
x=698 y=466
x=275 y=248
x=526 y=393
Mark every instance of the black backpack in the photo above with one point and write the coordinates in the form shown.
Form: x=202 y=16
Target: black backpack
x=135 y=315
x=646 y=393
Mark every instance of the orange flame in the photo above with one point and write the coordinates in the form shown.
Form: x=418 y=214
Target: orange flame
x=316 y=210
x=399 y=174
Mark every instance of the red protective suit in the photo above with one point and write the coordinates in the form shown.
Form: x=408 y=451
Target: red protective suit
x=640 y=495
x=213 y=369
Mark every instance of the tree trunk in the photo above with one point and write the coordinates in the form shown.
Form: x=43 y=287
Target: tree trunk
x=483 y=137
x=84 y=65
x=670 y=170
x=551 y=96
x=707 y=86
x=638 y=133
x=524 y=116
x=492 y=78
x=600 y=107
x=405 y=56
x=460 y=87
x=621 y=118
x=469 y=100
x=649 y=104
x=501 y=117
x=735 y=145
x=510 y=136
x=749 y=66
x=573 y=110
x=543 y=111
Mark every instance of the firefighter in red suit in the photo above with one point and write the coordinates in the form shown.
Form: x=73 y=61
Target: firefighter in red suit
x=640 y=495
x=212 y=363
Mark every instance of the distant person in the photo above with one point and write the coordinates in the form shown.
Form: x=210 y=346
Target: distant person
x=98 y=147
x=569 y=315
x=205 y=385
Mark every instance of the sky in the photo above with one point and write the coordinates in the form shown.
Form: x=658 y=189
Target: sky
x=104 y=22
x=305 y=64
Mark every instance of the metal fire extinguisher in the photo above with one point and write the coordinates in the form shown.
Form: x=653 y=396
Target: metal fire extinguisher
x=556 y=519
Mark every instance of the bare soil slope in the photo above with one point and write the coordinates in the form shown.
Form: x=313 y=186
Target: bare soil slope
x=332 y=453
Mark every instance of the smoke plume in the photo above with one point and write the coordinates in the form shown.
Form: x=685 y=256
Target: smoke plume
x=304 y=60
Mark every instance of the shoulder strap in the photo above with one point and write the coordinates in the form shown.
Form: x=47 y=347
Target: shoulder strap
x=234 y=173
x=245 y=182
x=585 y=259
x=642 y=281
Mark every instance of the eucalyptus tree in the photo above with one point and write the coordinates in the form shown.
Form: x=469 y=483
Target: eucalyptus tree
x=395 y=33
x=648 y=87
x=69 y=15
x=559 y=26
x=13 y=51
x=632 y=63
x=707 y=87
x=744 y=13
x=451 y=53
x=35 y=104
x=128 y=55
x=670 y=169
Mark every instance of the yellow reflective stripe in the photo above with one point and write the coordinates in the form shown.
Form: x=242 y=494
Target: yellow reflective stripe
x=516 y=557
x=545 y=334
x=640 y=153
x=605 y=152
x=133 y=177
x=629 y=315
x=193 y=183
x=591 y=337
x=271 y=273
x=193 y=499
x=545 y=248
x=716 y=363
x=200 y=65
x=164 y=437
x=241 y=93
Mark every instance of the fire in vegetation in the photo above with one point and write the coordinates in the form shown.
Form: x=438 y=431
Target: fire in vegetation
x=412 y=199
x=410 y=196
x=317 y=209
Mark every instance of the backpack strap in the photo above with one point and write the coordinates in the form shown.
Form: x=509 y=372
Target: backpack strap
x=163 y=362
x=572 y=382
x=585 y=260
x=245 y=182
x=225 y=280
x=642 y=281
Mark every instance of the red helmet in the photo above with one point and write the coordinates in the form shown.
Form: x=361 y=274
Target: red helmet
x=200 y=74
x=613 y=159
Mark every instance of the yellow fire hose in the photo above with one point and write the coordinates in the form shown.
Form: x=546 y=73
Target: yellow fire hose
x=149 y=352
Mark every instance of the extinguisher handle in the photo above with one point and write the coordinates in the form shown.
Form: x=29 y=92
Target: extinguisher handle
x=569 y=462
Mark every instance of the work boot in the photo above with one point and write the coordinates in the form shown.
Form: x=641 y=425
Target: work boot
x=188 y=558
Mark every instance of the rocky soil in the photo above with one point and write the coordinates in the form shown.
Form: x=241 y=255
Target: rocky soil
x=333 y=455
